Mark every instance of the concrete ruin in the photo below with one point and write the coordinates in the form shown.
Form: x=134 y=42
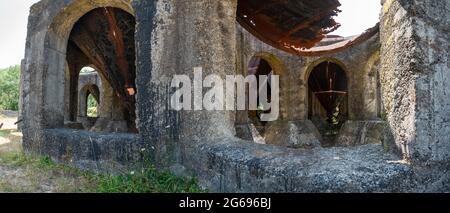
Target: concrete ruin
x=388 y=132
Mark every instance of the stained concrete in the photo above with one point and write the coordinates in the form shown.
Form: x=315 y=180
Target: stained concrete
x=415 y=77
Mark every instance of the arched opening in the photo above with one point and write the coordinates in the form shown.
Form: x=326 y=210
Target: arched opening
x=262 y=70
x=259 y=68
x=249 y=123
x=90 y=95
x=103 y=39
x=328 y=99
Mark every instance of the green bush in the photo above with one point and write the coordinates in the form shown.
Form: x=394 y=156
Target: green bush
x=9 y=88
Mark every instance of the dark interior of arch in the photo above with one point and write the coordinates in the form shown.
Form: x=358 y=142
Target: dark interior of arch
x=104 y=39
x=289 y=24
x=260 y=67
x=328 y=82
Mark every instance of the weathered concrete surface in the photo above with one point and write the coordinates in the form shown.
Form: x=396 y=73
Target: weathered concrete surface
x=415 y=77
x=206 y=41
x=101 y=152
x=293 y=134
x=233 y=165
x=237 y=166
x=355 y=133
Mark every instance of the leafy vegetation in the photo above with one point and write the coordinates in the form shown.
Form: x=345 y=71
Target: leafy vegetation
x=92 y=109
x=9 y=88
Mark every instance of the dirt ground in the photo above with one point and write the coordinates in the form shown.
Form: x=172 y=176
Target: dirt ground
x=18 y=174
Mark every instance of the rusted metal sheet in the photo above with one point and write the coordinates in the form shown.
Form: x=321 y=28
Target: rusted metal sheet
x=289 y=24
x=296 y=26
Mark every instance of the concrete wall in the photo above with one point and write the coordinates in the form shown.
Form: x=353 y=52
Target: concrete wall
x=360 y=62
x=415 y=74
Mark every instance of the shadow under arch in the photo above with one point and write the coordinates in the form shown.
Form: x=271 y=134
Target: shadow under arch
x=309 y=69
x=279 y=69
x=248 y=126
x=328 y=97
x=315 y=63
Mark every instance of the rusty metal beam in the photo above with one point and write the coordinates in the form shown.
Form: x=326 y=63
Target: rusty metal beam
x=307 y=24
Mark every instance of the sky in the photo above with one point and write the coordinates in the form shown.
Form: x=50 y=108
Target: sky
x=13 y=30
x=356 y=17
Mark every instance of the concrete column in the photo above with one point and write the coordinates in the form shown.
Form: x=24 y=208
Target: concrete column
x=184 y=35
x=415 y=77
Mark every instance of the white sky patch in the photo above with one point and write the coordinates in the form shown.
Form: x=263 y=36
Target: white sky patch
x=13 y=30
x=356 y=17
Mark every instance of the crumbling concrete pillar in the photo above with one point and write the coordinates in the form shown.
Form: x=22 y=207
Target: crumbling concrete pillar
x=415 y=77
x=174 y=38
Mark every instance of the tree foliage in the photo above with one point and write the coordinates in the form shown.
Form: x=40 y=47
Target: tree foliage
x=9 y=88
x=92 y=110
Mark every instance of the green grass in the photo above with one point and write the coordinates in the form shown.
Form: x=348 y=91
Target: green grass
x=148 y=180
x=36 y=170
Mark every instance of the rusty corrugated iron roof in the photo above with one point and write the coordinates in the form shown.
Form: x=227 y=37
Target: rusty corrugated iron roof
x=290 y=25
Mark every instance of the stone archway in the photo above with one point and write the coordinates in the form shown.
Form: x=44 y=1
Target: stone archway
x=278 y=68
x=90 y=89
x=104 y=37
x=60 y=45
x=327 y=97
x=87 y=91
x=248 y=124
x=55 y=52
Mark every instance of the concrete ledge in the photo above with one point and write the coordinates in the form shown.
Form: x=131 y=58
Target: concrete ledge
x=239 y=166
x=293 y=134
x=103 y=152
x=234 y=165
x=355 y=133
